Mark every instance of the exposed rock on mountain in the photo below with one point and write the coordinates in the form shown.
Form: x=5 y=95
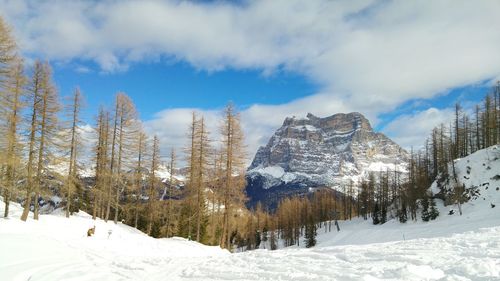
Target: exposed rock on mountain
x=316 y=152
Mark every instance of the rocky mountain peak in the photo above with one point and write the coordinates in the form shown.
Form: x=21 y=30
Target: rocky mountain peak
x=329 y=151
x=333 y=134
x=336 y=122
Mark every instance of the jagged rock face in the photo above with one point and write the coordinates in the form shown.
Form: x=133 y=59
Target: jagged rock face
x=314 y=152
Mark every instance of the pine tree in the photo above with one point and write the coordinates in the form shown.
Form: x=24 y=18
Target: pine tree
x=215 y=187
x=171 y=194
x=234 y=178
x=155 y=161
x=122 y=138
x=188 y=205
x=403 y=216
x=425 y=209
x=34 y=96
x=48 y=128
x=272 y=241
x=43 y=122
x=376 y=214
x=202 y=147
x=73 y=148
x=8 y=52
x=250 y=233
x=433 y=212
x=265 y=231
x=139 y=173
x=458 y=194
x=310 y=233
x=11 y=94
x=11 y=107
x=258 y=239
x=102 y=173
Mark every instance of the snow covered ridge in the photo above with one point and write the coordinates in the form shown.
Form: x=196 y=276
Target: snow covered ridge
x=325 y=152
x=478 y=175
x=88 y=171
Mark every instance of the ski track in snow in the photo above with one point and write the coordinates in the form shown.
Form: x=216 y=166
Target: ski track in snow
x=469 y=256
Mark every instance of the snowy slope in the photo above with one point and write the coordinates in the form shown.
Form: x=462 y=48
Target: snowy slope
x=477 y=171
x=480 y=173
x=452 y=247
x=56 y=248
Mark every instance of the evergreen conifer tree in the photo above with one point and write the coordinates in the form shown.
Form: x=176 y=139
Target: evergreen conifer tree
x=425 y=209
x=257 y=239
x=272 y=241
x=403 y=216
x=310 y=233
x=433 y=212
x=376 y=214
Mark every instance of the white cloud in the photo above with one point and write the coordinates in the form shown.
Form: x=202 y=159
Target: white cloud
x=413 y=129
x=367 y=56
x=82 y=69
x=172 y=128
x=383 y=51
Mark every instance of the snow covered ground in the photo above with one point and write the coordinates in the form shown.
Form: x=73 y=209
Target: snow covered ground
x=57 y=248
x=453 y=247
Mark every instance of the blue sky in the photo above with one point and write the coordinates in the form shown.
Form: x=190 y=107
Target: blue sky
x=403 y=64
x=162 y=85
x=465 y=96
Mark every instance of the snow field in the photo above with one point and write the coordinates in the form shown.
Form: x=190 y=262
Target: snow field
x=467 y=256
x=57 y=248
x=452 y=247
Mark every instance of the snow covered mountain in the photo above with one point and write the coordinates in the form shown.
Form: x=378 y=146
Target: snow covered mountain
x=320 y=152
